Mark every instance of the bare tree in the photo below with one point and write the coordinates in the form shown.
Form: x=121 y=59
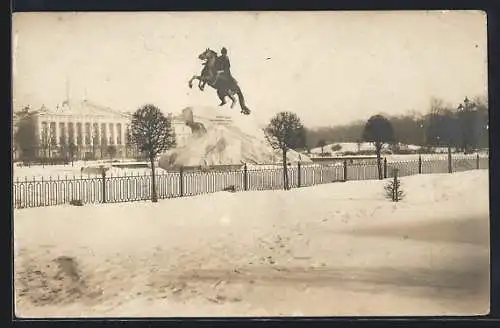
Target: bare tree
x=103 y=146
x=25 y=135
x=152 y=133
x=436 y=106
x=112 y=151
x=63 y=149
x=45 y=144
x=72 y=151
x=284 y=132
x=321 y=144
x=378 y=130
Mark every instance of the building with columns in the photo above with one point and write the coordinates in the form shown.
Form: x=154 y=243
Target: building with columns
x=91 y=130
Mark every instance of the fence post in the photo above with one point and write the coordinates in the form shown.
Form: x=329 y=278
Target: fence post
x=385 y=168
x=181 y=180
x=245 y=177
x=450 y=168
x=103 y=173
x=345 y=170
x=419 y=164
x=477 y=161
x=395 y=191
x=298 y=174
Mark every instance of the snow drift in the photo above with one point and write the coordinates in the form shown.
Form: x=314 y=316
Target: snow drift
x=223 y=139
x=335 y=249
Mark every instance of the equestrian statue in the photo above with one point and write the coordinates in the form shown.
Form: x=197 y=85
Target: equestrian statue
x=217 y=74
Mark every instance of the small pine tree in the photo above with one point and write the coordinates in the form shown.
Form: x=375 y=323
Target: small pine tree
x=393 y=190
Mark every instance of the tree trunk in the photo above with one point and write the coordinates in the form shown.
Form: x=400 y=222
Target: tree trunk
x=378 y=149
x=285 y=170
x=154 y=196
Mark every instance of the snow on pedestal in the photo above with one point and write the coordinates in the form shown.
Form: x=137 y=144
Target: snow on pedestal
x=223 y=138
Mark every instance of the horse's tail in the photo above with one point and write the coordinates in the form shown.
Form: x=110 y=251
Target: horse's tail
x=241 y=99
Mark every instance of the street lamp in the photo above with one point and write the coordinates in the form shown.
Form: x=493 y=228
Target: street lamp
x=422 y=126
x=463 y=109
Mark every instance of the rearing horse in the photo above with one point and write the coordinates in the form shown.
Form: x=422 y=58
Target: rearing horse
x=225 y=85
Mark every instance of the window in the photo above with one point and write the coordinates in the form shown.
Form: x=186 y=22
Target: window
x=62 y=133
x=44 y=137
x=103 y=134
x=71 y=133
x=79 y=134
x=53 y=134
x=119 y=134
x=95 y=136
x=88 y=134
x=111 y=134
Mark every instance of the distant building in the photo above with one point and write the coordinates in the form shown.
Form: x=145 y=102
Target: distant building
x=92 y=129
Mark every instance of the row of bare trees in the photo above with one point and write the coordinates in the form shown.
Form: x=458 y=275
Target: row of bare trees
x=462 y=126
x=286 y=131
x=152 y=133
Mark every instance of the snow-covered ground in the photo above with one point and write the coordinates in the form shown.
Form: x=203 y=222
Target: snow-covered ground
x=345 y=146
x=353 y=147
x=335 y=249
x=61 y=171
x=70 y=171
x=127 y=184
x=414 y=157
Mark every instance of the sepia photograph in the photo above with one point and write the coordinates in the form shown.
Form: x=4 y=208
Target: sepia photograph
x=250 y=164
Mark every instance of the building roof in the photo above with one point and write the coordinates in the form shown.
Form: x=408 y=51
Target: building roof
x=84 y=107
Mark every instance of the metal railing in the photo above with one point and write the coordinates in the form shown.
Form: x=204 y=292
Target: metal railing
x=38 y=192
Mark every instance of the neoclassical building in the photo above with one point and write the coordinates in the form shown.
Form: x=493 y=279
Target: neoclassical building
x=95 y=131
x=91 y=129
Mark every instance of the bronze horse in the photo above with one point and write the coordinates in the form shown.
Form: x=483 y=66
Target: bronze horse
x=225 y=85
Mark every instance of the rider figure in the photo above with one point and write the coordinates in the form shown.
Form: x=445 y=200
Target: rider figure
x=223 y=66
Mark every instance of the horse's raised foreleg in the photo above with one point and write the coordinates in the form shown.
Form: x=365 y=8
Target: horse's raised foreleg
x=195 y=77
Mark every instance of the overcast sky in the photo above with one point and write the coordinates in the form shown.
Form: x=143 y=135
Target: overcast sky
x=328 y=67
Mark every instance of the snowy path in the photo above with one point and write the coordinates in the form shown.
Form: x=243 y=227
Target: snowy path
x=337 y=249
